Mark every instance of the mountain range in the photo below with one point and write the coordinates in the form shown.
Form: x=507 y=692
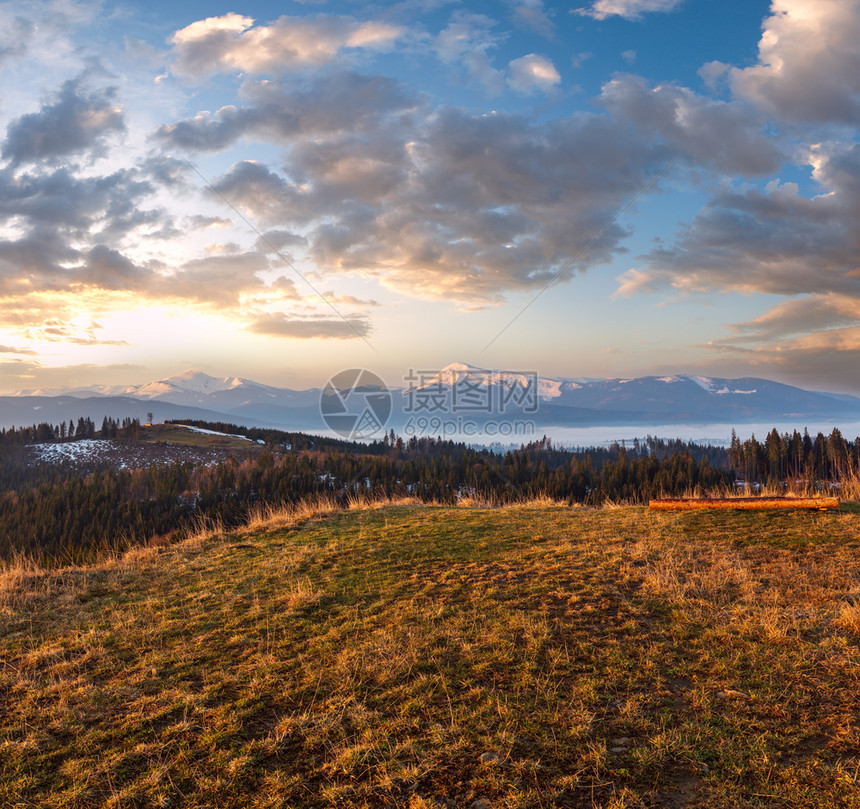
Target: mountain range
x=561 y=402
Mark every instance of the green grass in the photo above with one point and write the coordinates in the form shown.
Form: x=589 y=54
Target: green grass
x=182 y=436
x=371 y=658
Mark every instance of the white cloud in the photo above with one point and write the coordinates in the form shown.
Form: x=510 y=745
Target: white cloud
x=454 y=205
x=233 y=44
x=809 y=63
x=532 y=73
x=630 y=9
x=76 y=122
x=724 y=136
x=284 y=325
x=532 y=14
x=289 y=111
x=801 y=315
x=775 y=240
x=467 y=40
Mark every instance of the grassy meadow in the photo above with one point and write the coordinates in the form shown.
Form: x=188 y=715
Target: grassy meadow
x=425 y=656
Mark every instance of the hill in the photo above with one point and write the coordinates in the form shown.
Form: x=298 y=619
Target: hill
x=480 y=396
x=436 y=656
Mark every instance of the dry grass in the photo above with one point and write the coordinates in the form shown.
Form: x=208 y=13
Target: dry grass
x=746 y=503
x=399 y=656
x=274 y=517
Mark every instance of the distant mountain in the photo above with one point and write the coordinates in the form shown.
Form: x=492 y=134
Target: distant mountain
x=547 y=401
x=229 y=394
x=20 y=411
x=652 y=399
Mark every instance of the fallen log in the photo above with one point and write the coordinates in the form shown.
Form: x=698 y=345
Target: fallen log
x=747 y=503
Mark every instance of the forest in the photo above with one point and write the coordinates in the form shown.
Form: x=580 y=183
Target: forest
x=75 y=513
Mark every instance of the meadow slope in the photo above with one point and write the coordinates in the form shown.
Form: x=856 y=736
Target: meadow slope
x=409 y=656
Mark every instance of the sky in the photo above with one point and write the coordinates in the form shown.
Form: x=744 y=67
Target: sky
x=280 y=191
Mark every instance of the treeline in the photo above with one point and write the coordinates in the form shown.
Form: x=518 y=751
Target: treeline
x=46 y=433
x=276 y=439
x=73 y=514
x=59 y=515
x=783 y=458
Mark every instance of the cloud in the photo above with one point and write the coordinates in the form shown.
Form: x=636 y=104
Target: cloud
x=808 y=69
x=76 y=123
x=198 y=221
x=467 y=40
x=329 y=104
x=279 y=239
x=265 y=195
x=62 y=229
x=532 y=14
x=775 y=240
x=332 y=297
x=810 y=313
x=42 y=263
x=16 y=350
x=282 y=325
x=17 y=34
x=60 y=331
x=532 y=73
x=724 y=136
x=57 y=226
x=107 y=268
x=629 y=9
x=233 y=44
x=17 y=372
x=216 y=279
x=502 y=205
x=74 y=204
x=455 y=206
x=826 y=360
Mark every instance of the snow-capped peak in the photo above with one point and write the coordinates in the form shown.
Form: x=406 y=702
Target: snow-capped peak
x=705 y=383
x=453 y=373
x=190 y=381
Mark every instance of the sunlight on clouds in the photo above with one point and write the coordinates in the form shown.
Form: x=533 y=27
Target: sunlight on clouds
x=233 y=43
x=532 y=73
x=813 y=313
x=634 y=282
x=232 y=23
x=809 y=64
x=373 y=35
x=362 y=145
x=830 y=357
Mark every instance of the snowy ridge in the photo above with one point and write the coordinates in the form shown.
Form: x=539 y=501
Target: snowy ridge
x=553 y=401
x=213 y=432
x=456 y=373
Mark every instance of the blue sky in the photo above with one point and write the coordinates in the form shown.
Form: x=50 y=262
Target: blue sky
x=283 y=190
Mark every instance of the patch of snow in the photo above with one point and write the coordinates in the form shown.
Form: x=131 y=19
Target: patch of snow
x=213 y=432
x=704 y=382
x=72 y=450
x=549 y=388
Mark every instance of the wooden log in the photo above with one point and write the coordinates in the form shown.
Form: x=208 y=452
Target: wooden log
x=747 y=503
